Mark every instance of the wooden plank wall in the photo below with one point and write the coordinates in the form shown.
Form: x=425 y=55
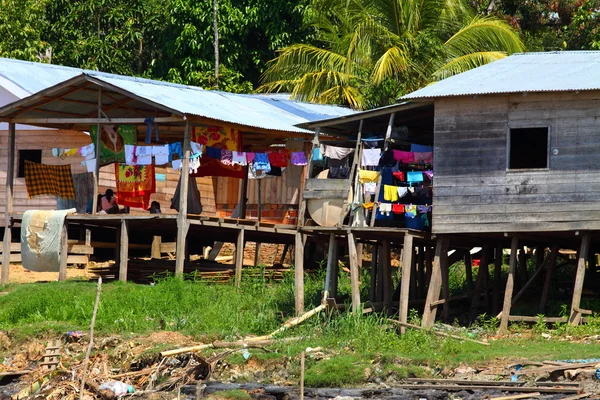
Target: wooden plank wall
x=274 y=190
x=473 y=191
x=43 y=140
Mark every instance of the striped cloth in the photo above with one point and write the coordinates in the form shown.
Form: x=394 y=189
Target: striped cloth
x=54 y=180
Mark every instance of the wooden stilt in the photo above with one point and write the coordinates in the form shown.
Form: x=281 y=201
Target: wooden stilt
x=330 y=261
x=239 y=257
x=445 y=268
x=510 y=283
x=480 y=285
x=435 y=283
x=307 y=171
x=421 y=273
x=299 y=272
x=64 y=253
x=155 y=251
x=257 y=254
x=388 y=285
x=523 y=275
x=469 y=273
x=124 y=250
x=497 y=279
x=417 y=256
x=380 y=274
x=373 y=288
x=335 y=272
x=575 y=317
x=354 y=272
x=407 y=255
x=548 y=278
x=286 y=248
x=182 y=223
x=429 y=251
x=8 y=209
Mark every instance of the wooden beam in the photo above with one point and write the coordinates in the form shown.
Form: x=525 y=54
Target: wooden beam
x=354 y=272
x=435 y=283
x=99 y=120
x=331 y=255
x=363 y=115
x=510 y=283
x=480 y=286
x=469 y=272
x=445 y=268
x=497 y=279
x=419 y=280
x=307 y=171
x=299 y=272
x=239 y=257
x=97 y=148
x=522 y=267
x=8 y=209
x=388 y=284
x=64 y=253
x=124 y=250
x=407 y=255
x=575 y=317
x=548 y=278
x=182 y=223
x=373 y=286
x=155 y=252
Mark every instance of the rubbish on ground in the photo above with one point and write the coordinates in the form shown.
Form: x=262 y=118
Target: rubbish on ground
x=118 y=388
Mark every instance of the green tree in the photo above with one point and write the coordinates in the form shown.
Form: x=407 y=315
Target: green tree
x=21 y=25
x=368 y=46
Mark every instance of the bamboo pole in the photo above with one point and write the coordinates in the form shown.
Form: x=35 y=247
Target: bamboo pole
x=91 y=344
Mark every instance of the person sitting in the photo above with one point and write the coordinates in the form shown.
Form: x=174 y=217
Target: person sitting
x=109 y=202
x=154 y=207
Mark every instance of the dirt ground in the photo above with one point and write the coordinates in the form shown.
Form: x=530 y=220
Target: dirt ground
x=18 y=274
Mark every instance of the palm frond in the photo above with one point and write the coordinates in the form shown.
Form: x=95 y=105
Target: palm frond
x=390 y=64
x=464 y=63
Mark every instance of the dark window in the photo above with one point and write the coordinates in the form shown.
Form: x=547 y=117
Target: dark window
x=30 y=155
x=528 y=148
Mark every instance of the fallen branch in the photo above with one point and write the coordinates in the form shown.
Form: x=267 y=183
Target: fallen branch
x=554 y=368
x=407 y=325
x=518 y=396
x=91 y=345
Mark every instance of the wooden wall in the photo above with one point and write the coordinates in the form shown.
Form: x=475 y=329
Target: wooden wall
x=474 y=192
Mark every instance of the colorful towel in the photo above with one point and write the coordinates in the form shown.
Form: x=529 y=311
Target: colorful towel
x=135 y=184
x=299 y=158
x=54 y=180
x=113 y=141
x=221 y=138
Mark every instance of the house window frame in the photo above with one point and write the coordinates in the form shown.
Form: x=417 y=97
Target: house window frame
x=528 y=125
x=18 y=161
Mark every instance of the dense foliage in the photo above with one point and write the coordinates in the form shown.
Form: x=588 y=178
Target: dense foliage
x=364 y=53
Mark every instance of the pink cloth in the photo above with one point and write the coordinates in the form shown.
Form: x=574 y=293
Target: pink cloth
x=426 y=157
x=226 y=157
x=299 y=158
x=249 y=157
x=404 y=156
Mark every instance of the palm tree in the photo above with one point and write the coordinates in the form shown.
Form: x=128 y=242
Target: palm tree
x=369 y=47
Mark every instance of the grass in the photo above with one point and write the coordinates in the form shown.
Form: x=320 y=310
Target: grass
x=357 y=348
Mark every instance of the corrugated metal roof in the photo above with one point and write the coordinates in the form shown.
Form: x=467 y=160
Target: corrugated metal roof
x=260 y=111
x=523 y=72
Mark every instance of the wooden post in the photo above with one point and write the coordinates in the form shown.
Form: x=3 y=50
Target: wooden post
x=469 y=273
x=497 y=279
x=420 y=275
x=354 y=272
x=182 y=223
x=8 y=209
x=435 y=283
x=330 y=261
x=386 y=144
x=522 y=267
x=407 y=255
x=548 y=278
x=124 y=250
x=374 y=277
x=445 y=268
x=244 y=194
x=510 y=283
x=64 y=253
x=257 y=254
x=388 y=284
x=156 y=243
x=239 y=257
x=353 y=175
x=299 y=272
x=335 y=272
x=97 y=148
x=575 y=316
x=429 y=265
x=417 y=256
x=481 y=283
x=308 y=169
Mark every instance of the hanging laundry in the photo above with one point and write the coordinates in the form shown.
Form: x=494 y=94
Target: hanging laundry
x=428 y=174
x=414 y=176
x=368 y=206
x=417 y=148
x=226 y=157
x=194 y=163
x=249 y=158
x=278 y=159
x=410 y=211
x=112 y=141
x=88 y=151
x=405 y=157
x=317 y=155
x=196 y=148
x=275 y=171
x=261 y=162
x=423 y=157
x=177 y=164
x=341 y=172
x=425 y=219
x=336 y=153
x=54 y=180
x=397 y=208
x=213 y=152
x=143 y=155
x=149 y=122
x=387 y=159
x=133 y=182
x=161 y=154
x=424 y=209
x=56 y=152
x=175 y=152
x=385 y=209
x=390 y=193
x=130 y=157
x=239 y=158
x=402 y=191
x=71 y=152
x=299 y=158
x=369 y=188
x=399 y=175
x=370 y=157
x=367 y=176
x=220 y=137
x=91 y=165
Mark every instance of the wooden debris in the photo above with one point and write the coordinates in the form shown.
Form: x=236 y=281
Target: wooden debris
x=517 y=396
x=489 y=383
x=407 y=325
x=554 y=368
x=577 y=397
x=52 y=356
x=528 y=389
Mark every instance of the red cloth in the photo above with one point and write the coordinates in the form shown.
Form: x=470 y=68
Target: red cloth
x=398 y=208
x=399 y=175
x=279 y=158
x=223 y=138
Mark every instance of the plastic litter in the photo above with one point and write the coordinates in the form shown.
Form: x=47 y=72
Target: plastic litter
x=515 y=378
x=117 y=387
